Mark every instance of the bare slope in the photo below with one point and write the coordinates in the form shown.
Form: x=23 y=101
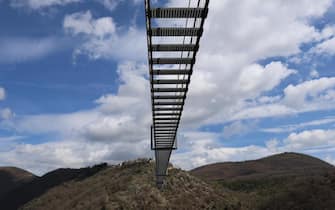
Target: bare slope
x=12 y=177
x=132 y=186
x=279 y=182
x=24 y=193
x=277 y=165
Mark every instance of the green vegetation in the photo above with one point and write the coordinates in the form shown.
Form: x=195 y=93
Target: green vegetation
x=315 y=192
x=286 y=181
x=281 y=182
x=132 y=186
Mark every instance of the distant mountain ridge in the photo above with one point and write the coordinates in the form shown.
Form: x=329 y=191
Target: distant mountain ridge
x=278 y=182
x=275 y=165
x=12 y=177
x=37 y=186
x=131 y=185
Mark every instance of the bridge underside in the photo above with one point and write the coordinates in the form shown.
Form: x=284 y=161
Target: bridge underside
x=173 y=36
x=162 y=161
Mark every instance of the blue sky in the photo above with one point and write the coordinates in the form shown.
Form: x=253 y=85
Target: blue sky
x=74 y=88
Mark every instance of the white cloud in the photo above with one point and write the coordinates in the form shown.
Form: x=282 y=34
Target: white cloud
x=204 y=149
x=220 y=154
x=26 y=49
x=124 y=116
x=2 y=93
x=39 y=4
x=314 y=74
x=223 y=95
x=238 y=128
x=323 y=46
x=112 y=4
x=293 y=127
x=256 y=79
x=309 y=94
x=228 y=84
x=262 y=111
x=63 y=124
x=260 y=30
x=268 y=99
x=327 y=32
x=7 y=143
x=221 y=86
x=313 y=141
x=44 y=157
x=330 y=159
x=83 y=23
x=326 y=47
x=6 y=114
x=272 y=145
x=310 y=138
x=42 y=4
x=116 y=129
x=10 y=138
x=103 y=40
x=127 y=114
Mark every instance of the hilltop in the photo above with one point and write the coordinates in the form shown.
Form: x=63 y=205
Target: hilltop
x=37 y=186
x=279 y=182
x=131 y=185
x=12 y=177
x=284 y=164
x=283 y=181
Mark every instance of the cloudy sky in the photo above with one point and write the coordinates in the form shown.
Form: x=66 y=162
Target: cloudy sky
x=74 y=88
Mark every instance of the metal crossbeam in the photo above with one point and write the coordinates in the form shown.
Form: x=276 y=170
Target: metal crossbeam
x=172 y=61
x=179 y=12
x=170 y=81
x=166 y=114
x=165 y=142
x=167 y=108
x=170 y=72
x=165 y=123
x=174 y=47
x=166 y=118
x=164 y=137
x=176 y=31
x=172 y=103
x=167 y=90
x=164 y=126
x=168 y=97
x=164 y=130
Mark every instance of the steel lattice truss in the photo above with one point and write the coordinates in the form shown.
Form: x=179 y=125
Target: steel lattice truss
x=172 y=51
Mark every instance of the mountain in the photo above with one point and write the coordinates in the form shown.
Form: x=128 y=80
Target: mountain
x=279 y=182
x=284 y=164
x=11 y=178
x=131 y=185
x=37 y=186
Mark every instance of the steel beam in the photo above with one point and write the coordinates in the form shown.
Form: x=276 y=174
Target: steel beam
x=163 y=61
x=178 y=12
x=170 y=72
x=174 y=47
x=176 y=31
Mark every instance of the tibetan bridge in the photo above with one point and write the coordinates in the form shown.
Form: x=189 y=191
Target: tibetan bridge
x=173 y=36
